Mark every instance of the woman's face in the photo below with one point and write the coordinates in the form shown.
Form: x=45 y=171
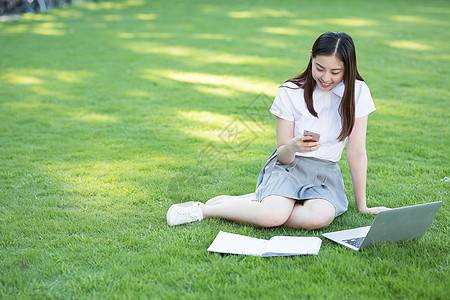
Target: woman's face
x=327 y=71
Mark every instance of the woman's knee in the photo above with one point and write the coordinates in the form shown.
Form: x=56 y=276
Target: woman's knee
x=321 y=214
x=275 y=213
x=313 y=214
x=319 y=221
x=272 y=218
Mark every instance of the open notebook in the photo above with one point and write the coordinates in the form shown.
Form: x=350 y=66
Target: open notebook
x=231 y=243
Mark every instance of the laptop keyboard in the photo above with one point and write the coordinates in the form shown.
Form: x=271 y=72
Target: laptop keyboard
x=355 y=242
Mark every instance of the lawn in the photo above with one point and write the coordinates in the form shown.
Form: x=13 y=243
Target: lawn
x=112 y=111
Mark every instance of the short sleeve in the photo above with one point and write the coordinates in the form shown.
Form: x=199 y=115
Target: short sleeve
x=364 y=104
x=282 y=105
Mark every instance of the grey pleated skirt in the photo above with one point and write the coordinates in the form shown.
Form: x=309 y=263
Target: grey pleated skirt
x=304 y=178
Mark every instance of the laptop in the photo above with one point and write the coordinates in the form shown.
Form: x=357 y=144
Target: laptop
x=403 y=223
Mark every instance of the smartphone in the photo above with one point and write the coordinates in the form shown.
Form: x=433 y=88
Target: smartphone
x=315 y=136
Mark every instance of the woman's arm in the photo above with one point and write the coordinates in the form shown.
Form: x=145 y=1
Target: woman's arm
x=357 y=161
x=288 y=145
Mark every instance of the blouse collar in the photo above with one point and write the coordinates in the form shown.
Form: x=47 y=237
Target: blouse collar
x=338 y=90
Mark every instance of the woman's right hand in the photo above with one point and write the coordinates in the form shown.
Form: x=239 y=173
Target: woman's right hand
x=301 y=144
x=288 y=145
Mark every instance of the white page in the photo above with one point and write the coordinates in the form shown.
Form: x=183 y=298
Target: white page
x=231 y=243
x=292 y=245
x=237 y=244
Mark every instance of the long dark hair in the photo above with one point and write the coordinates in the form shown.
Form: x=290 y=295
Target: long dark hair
x=341 y=45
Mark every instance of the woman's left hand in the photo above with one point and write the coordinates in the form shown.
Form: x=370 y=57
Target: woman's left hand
x=374 y=210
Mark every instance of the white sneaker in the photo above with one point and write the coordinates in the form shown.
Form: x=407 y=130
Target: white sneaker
x=184 y=213
x=226 y=199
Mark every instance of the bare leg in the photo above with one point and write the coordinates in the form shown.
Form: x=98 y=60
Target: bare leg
x=312 y=214
x=272 y=211
x=227 y=198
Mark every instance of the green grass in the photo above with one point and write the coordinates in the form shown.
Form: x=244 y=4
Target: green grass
x=112 y=111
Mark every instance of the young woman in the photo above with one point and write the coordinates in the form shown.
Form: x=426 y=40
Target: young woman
x=301 y=185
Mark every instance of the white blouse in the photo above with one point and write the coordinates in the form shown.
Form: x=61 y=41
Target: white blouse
x=289 y=104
